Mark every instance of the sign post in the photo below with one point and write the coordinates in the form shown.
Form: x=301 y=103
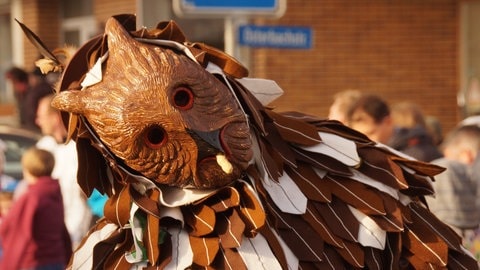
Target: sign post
x=287 y=37
x=229 y=8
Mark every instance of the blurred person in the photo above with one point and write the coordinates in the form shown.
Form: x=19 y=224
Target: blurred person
x=341 y=103
x=18 y=78
x=435 y=128
x=370 y=115
x=78 y=216
x=29 y=88
x=33 y=233
x=411 y=135
x=456 y=200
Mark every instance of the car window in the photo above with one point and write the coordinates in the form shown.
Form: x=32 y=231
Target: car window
x=16 y=145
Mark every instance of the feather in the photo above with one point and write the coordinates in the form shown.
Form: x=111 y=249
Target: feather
x=279 y=147
x=295 y=131
x=353 y=253
x=335 y=127
x=251 y=106
x=310 y=183
x=338 y=148
x=222 y=200
x=418 y=184
x=117 y=257
x=276 y=246
x=256 y=254
x=182 y=254
x=357 y=195
x=265 y=161
x=332 y=260
x=37 y=42
x=435 y=254
x=206 y=248
x=72 y=126
x=83 y=258
x=374 y=259
x=230 y=229
x=370 y=234
x=286 y=195
x=229 y=259
x=251 y=210
x=201 y=219
x=419 y=167
x=296 y=232
x=339 y=219
x=137 y=255
x=381 y=169
x=95 y=74
x=378 y=185
x=264 y=90
x=461 y=260
x=151 y=240
x=91 y=168
x=292 y=260
x=322 y=229
x=423 y=216
x=393 y=220
x=323 y=162
x=117 y=207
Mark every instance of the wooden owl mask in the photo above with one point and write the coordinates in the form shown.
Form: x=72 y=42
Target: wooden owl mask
x=163 y=115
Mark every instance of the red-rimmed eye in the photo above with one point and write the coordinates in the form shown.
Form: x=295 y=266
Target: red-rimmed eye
x=155 y=137
x=183 y=98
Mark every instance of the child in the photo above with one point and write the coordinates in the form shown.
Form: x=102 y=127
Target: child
x=33 y=233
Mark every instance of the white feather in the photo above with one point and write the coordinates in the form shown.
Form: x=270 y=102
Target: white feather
x=339 y=148
x=83 y=257
x=94 y=75
x=358 y=176
x=369 y=234
x=136 y=255
x=264 y=90
x=256 y=254
x=180 y=242
x=292 y=260
x=286 y=195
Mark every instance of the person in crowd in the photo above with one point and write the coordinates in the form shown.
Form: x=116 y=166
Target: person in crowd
x=78 y=216
x=341 y=103
x=33 y=233
x=18 y=78
x=457 y=194
x=435 y=129
x=411 y=135
x=370 y=115
x=28 y=88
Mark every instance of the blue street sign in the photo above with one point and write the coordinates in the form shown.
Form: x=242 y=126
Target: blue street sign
x=287 y=37
x=255 y=4
x=229 y=7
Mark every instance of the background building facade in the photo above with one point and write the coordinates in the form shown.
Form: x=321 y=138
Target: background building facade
x=424 y=51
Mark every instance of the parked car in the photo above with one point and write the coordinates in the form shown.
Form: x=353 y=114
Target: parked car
x=17 y=140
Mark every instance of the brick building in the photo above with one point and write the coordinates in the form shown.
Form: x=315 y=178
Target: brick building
x=425 y=51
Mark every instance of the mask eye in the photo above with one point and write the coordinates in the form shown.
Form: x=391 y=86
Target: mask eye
x=155 y=136
x=183 y=98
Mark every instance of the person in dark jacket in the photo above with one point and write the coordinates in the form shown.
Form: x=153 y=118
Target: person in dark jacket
x=411 y=134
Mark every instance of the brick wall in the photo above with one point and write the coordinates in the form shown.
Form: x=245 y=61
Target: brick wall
x=104 y=9
x=402 y=50
x=42 y=17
